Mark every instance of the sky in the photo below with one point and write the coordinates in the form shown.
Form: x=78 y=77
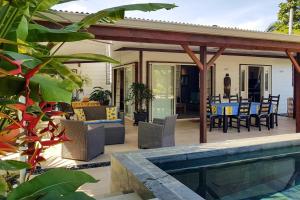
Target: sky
x=245 y=14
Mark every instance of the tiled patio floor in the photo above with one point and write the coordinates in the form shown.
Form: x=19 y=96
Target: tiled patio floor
x=187 y=132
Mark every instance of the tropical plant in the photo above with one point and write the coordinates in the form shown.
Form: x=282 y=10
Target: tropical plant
x=101 y=95
x=281 y=25
x=139 y=94
x=33 y=79
x=53 y=184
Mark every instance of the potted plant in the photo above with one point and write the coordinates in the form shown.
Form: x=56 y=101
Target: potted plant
x=101 y=95
x=140 y=95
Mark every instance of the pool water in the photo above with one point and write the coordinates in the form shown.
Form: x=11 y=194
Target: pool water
x=261 y=175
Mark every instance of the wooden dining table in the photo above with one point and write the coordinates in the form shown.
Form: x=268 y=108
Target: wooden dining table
x=230 y=109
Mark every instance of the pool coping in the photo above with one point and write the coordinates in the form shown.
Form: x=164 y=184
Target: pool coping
x=135 y=171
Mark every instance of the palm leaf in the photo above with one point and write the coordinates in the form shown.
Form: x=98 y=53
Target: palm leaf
x=84 y=56
x=63 y=181
x=117 y=13
x=39 y=33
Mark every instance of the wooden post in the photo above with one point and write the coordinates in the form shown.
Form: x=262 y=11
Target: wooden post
x=203 y=94
x=297 y=95
x=295 y=91
x=141 y=60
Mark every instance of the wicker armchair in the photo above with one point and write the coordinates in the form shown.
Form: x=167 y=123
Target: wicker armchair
x=160 y=133
x=87 y=141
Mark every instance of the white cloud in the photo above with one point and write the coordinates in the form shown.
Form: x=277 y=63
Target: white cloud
x=258 y=24
x=74 y=7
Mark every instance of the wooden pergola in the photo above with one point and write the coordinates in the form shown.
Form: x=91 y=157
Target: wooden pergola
x=185 y=40
x=188 y=39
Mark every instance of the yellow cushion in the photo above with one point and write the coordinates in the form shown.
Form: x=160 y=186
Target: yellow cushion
x=111 y=113
x=80 y=114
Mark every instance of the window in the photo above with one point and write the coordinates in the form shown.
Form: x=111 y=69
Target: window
x=108 y=73
x=243 y=80
x=267 y=81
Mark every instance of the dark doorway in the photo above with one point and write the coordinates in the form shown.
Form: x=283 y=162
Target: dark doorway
x=122 y=100
x=255 y=77
x=187 y=105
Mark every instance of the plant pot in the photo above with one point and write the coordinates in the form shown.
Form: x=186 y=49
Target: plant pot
x=140 y=117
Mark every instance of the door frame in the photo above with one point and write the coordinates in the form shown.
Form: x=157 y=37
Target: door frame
x=117 y=70
x=150 y=84
x=255 y=65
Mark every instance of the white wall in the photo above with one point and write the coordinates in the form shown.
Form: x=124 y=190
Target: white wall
x=281 y=75
x=281 y=70
x=96 y=72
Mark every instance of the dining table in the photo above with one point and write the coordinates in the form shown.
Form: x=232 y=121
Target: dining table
x=232 y=108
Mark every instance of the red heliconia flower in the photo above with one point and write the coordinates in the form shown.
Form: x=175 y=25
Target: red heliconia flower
x=34 y=157
x=18 y=106
x=29 y=122
x=6 y=147
x=33 y=138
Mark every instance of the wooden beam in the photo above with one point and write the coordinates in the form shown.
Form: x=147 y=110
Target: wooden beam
x=193 y=56
x=294 y=61
x=212 y=52
x=215 y=57
x=115 y=33
x=297 y=95
x=203 y=95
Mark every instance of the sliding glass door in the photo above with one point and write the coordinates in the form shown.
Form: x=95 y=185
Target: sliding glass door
x=163 y=88
x=128 y=80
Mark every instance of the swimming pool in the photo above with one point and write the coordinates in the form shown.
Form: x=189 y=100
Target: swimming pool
x=265 y=168
x=269 y=174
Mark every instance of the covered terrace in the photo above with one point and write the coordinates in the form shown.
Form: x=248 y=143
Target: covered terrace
x=199 y=41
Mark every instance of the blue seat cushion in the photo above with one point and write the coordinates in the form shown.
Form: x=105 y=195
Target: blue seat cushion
x=103 y=121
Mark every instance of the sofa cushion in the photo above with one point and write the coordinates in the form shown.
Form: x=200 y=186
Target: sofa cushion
x=95 y=113
x=103 y=121
x=80 y=115
x=111 y=113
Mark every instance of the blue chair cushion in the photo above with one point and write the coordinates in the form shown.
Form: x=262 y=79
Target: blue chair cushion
x=103 y=121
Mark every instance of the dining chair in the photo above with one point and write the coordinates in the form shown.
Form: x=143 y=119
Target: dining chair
x=249 y=100
x=234 y=98
x=243 y=115
x=211 y=117
x=275 y=104
x=263 y=114
x=215 y=99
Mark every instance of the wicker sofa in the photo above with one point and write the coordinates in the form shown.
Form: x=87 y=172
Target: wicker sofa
x=86 y=143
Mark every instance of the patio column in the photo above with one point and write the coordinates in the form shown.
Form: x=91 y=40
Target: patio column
x=203 y=94
x=141 y=60
x=296 y=66
x=297 y=95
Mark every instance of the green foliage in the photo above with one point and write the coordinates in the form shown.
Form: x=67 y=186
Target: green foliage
x=7 y=179
x=101 y=95
x=38 y=33
x=31 y=70
x=12 y=165
x=281 y=25
x=18 y=28
x=52 y=89
x=110 y=15
x=84 y=56
x=59 y=183
x=139 y=93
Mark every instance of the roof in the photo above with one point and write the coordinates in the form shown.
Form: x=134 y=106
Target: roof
x=190 y=28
